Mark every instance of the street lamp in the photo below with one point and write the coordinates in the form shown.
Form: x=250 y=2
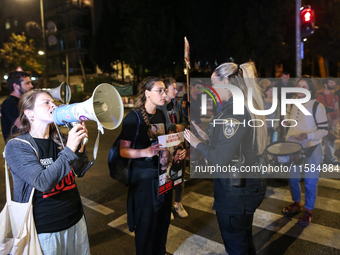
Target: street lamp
x=44 y=39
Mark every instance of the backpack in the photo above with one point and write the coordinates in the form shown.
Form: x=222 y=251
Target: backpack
x=120 y=167
x=315 y=106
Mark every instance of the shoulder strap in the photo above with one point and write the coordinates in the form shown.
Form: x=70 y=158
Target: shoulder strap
x=315 y=106
x=8 y=188
x=324 y=96
x=134 y=140
x=321 y=125
x=22 y=140
x=137 y=132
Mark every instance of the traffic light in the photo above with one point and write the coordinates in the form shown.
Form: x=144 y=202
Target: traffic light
x=307 y=21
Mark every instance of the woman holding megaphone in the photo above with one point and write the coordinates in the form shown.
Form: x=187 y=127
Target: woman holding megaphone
x=37 y=160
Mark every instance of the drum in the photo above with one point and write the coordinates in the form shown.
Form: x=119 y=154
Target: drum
x=284 y=153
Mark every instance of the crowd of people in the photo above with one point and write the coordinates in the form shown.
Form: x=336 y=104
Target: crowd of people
x=50 y=159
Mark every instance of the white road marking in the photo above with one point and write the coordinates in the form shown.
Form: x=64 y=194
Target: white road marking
x=97 y=207
x=278 y=222
x=327 y=204
x=180 y=241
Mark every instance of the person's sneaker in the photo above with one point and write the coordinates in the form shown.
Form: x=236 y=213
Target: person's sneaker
x=180 y=210
x=187 y=170
x=306 y=218
x=172 y=216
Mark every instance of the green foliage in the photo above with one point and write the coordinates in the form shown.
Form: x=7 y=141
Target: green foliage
x=20 y=52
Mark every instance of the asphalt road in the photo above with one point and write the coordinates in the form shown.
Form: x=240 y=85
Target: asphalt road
x=104 y=202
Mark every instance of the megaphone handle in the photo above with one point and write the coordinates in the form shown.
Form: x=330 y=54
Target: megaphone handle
x=83 y=143
x=85 y=140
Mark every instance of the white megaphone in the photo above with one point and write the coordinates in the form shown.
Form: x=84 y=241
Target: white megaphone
x=62 y=92
x=105 y=106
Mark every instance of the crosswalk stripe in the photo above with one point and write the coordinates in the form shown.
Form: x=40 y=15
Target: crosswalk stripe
x=283 y=225
x=329 y=183
x=183 y=242
x=121 y=224
x=95 y=206
x=332 y=205
x=275 y=222
x=180 y=241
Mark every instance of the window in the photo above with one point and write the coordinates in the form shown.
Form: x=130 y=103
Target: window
x=8 y=24
x=61 y=44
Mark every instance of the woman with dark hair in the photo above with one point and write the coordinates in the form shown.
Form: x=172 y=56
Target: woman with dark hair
x=174 y=114
x=236 y=197
x=309 y=131
x=148 y=213
x=37 y=159
x=272 y=126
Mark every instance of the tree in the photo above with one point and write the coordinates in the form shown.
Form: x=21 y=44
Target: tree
x=106 y=49
x=19 y=52
x=152 y=39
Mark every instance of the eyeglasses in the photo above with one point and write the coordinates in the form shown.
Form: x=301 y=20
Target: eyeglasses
x=161 y=91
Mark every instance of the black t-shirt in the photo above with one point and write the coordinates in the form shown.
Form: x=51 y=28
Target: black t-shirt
x=9 y=112
x=144 y=139
x=171 y=112
x=61 y=208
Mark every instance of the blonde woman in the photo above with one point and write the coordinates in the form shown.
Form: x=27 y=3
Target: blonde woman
x=236 y=199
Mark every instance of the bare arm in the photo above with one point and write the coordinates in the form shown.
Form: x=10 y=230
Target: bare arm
x=127 y=152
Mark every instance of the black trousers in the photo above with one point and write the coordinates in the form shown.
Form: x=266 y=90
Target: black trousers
x=178 y=192
x=151 y=228
x=236 y=231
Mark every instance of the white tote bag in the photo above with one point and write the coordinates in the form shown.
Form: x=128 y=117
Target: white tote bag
x=17 y=229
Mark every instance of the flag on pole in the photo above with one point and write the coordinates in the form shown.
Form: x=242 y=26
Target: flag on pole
x=186 y=52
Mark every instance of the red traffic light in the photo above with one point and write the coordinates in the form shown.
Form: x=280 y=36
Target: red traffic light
x=307 y=16
x=307 y=20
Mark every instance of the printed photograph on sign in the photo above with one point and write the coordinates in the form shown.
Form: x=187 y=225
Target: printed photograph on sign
x=165 y=182
x=156 y=130
x=171 y=165
x=177 y=165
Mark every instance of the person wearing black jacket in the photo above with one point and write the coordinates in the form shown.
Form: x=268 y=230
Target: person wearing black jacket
x=174 y=115
x=18 y=82
x=236 y=199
